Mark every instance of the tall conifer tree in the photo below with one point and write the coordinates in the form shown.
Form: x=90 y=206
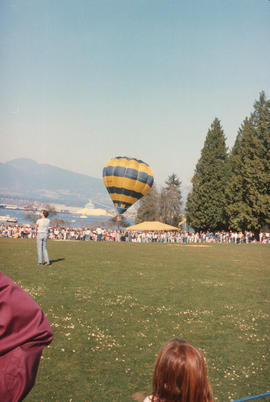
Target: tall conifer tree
x=248 y=191
x=205 y=207
x=171 y=201
x=149 y=206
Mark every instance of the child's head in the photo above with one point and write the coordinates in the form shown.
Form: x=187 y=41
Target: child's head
x=180 y=374
x=45 y=213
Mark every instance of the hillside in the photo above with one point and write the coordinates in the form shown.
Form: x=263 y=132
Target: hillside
x=29 y=180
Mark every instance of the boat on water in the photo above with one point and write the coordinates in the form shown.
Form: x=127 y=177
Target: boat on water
x=12 y=220
x=7 y=218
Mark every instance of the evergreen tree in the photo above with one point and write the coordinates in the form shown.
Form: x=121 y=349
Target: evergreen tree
x=149 y=206
x=171 y=201
x=205 y=207
x=33 y=216
x=248 y=192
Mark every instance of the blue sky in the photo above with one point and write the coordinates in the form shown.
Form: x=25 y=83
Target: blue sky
x=83 y=81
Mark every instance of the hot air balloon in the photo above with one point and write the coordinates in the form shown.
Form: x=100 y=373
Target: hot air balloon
x=127 y=180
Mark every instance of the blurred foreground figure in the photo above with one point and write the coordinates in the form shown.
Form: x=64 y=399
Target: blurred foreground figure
x=24 y=332
x=180 y=374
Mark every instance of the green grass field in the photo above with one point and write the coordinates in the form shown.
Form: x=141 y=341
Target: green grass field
x=113 y=305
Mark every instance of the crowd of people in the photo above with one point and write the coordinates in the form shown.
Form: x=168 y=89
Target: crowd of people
x=101 y=234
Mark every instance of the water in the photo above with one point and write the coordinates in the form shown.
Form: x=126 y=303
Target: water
x=73 y=220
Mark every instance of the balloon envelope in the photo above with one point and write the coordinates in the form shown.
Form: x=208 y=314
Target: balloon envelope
x=127 y=180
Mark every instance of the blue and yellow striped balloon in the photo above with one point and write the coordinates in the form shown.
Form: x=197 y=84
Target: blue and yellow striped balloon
x=127 y=180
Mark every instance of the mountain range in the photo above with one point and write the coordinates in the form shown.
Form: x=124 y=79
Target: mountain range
x=28 y=180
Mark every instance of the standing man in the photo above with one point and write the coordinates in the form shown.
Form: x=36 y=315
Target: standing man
x=42 y=236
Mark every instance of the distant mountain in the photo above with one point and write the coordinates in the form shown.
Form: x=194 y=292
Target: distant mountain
x=29 y=180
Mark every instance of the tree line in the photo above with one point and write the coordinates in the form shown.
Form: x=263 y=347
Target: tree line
x=164 y=205
x=230 y=188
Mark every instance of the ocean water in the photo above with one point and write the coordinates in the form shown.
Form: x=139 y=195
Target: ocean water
x=73 y=220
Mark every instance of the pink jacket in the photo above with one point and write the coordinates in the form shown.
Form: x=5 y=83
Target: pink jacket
x=24 y=332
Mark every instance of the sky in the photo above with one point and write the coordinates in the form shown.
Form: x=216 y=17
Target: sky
x=82 y=81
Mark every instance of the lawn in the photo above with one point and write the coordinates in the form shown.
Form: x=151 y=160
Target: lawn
x=113 y=305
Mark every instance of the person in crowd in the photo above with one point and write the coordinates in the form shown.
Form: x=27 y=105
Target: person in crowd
x=42 y=236
x=99 y=233
x=24 y=332
x=180 y=374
